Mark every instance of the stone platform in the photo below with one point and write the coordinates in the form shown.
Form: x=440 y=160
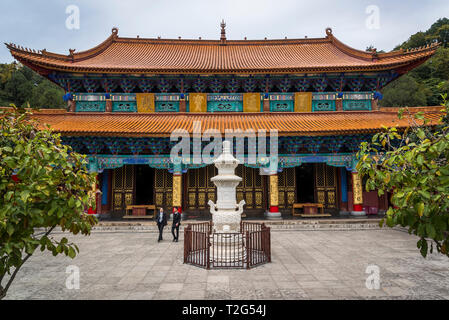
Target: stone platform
x=285 y=224
x=306 y=264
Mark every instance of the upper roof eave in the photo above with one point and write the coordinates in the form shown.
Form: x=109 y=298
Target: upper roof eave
x=68 y=63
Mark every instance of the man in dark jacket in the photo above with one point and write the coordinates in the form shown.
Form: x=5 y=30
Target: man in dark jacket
x=161 y=222
x=176 y=224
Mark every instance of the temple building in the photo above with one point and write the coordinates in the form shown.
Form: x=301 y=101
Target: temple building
x=126 y=96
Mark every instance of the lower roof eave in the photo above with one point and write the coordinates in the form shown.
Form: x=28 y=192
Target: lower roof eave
x=166 y=135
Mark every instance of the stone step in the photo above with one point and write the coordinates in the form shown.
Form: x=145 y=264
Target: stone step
x=278 y=225
x=293 y=224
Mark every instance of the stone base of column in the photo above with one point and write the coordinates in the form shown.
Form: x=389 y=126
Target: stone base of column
x=273 y=214
x=358 y=213
x=344 y=213
x=183 y=216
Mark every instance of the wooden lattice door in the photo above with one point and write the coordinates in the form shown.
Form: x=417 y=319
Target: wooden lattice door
x=123 y=183
x=287 y=188
x=163 y=189
x=250 y=188
x=326 y=185
x=200 y=189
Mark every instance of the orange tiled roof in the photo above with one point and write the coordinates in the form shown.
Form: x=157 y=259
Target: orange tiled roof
x=288 y=124
x=138 y=55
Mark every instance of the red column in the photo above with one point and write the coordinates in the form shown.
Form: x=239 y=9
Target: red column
x=357 y=193
x=95 y=187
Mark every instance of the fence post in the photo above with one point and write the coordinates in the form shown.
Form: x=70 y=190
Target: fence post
x=248 y=250
x=269 y=243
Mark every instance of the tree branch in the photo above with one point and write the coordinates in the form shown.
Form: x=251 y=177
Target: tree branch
x=11 y=279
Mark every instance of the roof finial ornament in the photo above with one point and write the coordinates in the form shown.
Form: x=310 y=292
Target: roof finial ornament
x=114 y=32
x=223 y=31
x=329 y=32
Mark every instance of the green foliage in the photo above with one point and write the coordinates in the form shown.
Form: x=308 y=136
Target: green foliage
x=21 y=86
x=53 y=188
x=429 y=81
x=439 y=31
x=404 y=92
x=414 y=167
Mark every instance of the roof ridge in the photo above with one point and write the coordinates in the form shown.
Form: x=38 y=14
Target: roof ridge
x=182 y=56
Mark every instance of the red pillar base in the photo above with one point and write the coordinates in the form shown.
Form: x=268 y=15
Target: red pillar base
x=358 y=210
x=273 y=213
x=274 y=209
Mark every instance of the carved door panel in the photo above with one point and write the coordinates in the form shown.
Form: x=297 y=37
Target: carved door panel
x=123 y=183
x=200 y=189
x=287 y=188
x=251 y=188
x=326 y=185
x=163 y=189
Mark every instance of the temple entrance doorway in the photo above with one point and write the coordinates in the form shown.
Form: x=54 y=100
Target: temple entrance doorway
x=252 y=189
x=123 y=184
x=305 y=191
x=200 y=189
x=326 y=185
x=287 y=188
x=144 y=185
x=163 y=189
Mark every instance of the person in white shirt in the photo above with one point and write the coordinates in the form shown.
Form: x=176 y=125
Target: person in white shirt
x=161 y=222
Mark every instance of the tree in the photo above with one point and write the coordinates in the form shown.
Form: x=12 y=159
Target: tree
x=20 y=85
x=43 y=184
x=413 y=166
x=404 y=92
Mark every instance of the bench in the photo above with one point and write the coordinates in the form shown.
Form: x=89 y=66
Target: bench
x=319 y=206
x=140 y=211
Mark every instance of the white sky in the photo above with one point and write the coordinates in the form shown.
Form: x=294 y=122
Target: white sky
x=42 y=24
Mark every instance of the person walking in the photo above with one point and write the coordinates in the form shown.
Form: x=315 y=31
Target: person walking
x=176 y=224
x=161 y=222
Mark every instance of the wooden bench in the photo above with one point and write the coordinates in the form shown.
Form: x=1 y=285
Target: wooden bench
x=139 y=211
x=319 y=206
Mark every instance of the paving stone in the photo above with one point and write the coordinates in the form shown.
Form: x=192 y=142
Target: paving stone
x=306 y=264
x=293 y=294
x=217 y=295
x=192 y=294
x=318 y=292
x=171 y=287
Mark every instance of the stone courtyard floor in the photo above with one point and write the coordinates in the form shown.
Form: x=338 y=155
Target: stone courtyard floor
x=306 y=265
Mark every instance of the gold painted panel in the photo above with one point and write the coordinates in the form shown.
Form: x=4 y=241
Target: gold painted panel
x=321 y=197
x=290 y=198
x=159 y=199
x=239 y=196
x=259 y=199
x=117 y=201
x=249 y=199
x=145 y=102
x=177 y=190
x=303 y=101
x=128 y=199
x=192 y=200
x=198 y=102
x=201 y=199
x=274 y=193
x=357 y=188
x=331 y=199
x=251 y=102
